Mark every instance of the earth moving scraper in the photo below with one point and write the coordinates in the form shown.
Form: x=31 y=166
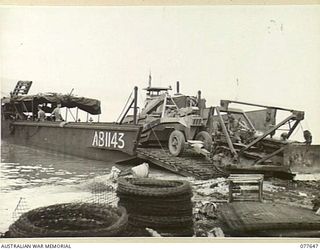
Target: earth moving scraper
x=228 y=136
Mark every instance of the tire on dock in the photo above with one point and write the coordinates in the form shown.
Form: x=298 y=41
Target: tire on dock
x=71 y=220
x=162 y=205
x=153 y=187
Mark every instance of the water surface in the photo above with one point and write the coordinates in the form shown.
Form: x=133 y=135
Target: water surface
x=31 y=178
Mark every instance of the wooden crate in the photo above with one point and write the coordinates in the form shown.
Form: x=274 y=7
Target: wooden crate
x=245 y=183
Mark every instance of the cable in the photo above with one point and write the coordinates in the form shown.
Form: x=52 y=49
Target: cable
x=157 y=139
x=124 y=107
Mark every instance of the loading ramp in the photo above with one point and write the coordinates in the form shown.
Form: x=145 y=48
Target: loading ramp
x=189 y=164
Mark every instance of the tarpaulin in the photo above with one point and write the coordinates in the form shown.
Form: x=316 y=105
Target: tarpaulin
x=89 y=105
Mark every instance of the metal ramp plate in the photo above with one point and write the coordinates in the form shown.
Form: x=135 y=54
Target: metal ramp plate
x=189 y=164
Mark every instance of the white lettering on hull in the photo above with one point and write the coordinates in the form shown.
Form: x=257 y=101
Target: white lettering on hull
x=108 y=139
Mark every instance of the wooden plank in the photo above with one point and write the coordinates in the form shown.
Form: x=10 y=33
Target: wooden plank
x=239 y=191
x=259 y=168
x=245 y=179
x=246 y=175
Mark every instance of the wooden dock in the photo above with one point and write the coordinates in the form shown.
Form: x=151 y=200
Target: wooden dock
x=189 y=164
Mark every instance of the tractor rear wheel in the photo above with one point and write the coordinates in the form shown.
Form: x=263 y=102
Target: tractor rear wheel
x=176 y=142
x=205 y=137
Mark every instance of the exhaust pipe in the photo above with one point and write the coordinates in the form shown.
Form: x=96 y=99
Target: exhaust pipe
x=178 y=88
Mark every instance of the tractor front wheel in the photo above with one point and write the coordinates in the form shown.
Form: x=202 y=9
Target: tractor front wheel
x=176 y=142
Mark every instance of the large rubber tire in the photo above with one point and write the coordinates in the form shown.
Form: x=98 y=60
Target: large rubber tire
x=152 y=187
x=205 y=137
x=176 y=142
x=158 y=222
x=163 y=205
x=71 y=220
x=160 y=209
x=171 y=226
x=177 y=199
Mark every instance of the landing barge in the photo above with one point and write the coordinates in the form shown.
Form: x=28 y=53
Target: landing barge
x=93 y=140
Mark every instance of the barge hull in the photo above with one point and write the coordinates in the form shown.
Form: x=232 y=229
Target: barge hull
x=98 y=141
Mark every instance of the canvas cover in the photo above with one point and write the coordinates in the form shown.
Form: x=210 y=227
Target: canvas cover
x=89 y=105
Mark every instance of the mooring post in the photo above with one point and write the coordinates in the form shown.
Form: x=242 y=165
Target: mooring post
x=135 y=108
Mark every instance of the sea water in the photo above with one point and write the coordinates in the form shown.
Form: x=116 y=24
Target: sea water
x=31 y=178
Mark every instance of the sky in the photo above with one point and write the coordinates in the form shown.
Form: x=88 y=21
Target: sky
x=261 y=54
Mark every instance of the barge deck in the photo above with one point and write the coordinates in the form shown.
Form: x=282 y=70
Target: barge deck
x=192 y=164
